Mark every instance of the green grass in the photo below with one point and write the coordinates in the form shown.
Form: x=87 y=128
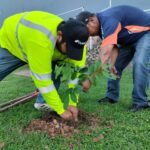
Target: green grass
x=129 y=131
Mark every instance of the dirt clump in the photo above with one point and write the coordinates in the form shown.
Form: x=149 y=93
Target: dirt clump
x=53 y=125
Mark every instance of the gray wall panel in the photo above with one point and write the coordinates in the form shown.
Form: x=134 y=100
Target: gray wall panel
x=9 y=7
x=71 y=7
x=143 y=4
x=96 y=5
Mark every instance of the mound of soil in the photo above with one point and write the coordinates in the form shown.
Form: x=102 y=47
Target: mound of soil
x=52 y=124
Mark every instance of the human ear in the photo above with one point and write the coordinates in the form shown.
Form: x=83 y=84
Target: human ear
x=59 y=36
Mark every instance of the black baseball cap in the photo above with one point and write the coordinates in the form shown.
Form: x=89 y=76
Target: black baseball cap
x=76 y=35
x=84 y=16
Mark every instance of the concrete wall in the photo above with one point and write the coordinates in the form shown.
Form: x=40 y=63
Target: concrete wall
x=64 y=8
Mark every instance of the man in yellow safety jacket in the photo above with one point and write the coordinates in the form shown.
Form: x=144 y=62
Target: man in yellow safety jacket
x=41 y=39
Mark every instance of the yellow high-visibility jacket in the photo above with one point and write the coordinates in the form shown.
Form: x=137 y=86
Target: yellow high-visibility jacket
x=31 y=36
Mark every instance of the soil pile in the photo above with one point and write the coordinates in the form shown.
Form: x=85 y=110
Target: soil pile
x=52 y=124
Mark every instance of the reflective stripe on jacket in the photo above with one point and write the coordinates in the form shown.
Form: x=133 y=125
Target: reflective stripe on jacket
x=31 y=36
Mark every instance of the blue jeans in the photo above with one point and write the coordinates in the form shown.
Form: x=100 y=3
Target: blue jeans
x=139 y=53
x=9 y=63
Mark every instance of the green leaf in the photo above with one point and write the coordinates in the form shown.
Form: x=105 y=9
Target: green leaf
x=62 y=63
x=109 y=75
x=66 y=73
x=83 y=77
x=106 y=67
x=73 y=95
x=66 y=100
x=106 y=72
x=97 y=65
x=83 y=70
x=78 y=89
x=97 y=78
x=91 y=68
x=94 y=82
x=58 y=71
x=73 y=76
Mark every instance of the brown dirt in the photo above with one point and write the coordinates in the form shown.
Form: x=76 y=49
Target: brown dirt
x=2 y=145
x=52 y=124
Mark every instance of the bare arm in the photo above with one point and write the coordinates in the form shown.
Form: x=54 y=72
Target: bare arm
x=113 y=58
x=108 y=55
x=114 y=55
x=105 y=53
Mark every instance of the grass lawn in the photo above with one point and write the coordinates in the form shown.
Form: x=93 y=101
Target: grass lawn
x=129 y=131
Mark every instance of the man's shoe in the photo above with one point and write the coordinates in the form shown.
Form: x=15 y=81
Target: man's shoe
x=42 y=106
x=106 y=100
x=135 y=107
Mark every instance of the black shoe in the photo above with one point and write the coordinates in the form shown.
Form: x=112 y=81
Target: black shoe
x=135 y=107
x=106 y=100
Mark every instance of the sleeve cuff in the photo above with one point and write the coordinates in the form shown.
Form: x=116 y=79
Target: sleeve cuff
x=71 y=103
x=60 y=111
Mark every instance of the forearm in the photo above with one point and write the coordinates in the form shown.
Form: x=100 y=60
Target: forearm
x=114 y=55
x=105 y=53
x=54 y=101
